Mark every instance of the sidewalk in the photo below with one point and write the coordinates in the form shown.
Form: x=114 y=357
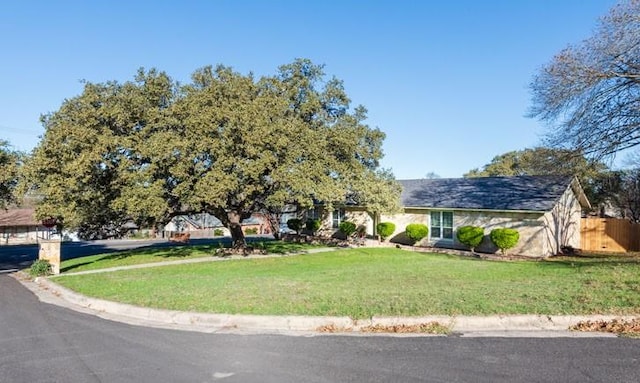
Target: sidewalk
x=494 y=326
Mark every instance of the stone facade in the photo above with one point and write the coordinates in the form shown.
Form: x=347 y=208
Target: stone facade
x=541 y=233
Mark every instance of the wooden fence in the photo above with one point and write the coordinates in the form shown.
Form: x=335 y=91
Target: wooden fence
x=609 y=235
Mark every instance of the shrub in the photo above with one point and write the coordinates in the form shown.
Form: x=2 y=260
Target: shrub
x=218 y=232
x=347 y=228
x=416 y=231
x=504 y=239
x=40 y=268
x=470 y=235
x=251 y=230
x=385 y=229
x=295 y=224
x=313 y=225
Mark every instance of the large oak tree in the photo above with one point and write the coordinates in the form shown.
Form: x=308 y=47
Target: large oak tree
x=10 y=162
x=226 y=143
x=589 y=93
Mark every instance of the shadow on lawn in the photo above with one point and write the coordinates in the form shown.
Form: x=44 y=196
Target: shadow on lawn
x=169 y=250
x=592 y=260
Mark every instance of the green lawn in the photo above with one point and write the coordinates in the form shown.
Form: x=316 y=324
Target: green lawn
x=153 y=255
x=366 y=282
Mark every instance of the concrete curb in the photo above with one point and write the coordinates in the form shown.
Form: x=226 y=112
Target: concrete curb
x=502 y=326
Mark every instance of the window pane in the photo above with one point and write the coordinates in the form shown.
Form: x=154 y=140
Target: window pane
x=447 y=233
x=338 y=216
x=435 y=232
x=313 y=213
x=435 y=218
x=447 y=219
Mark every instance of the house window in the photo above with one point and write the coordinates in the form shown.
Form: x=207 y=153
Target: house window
x=314 y=214
x=442 y=225
x=337 y=217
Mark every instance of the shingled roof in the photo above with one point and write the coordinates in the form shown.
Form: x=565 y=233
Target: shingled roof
x=18 y=217
x=524 y=193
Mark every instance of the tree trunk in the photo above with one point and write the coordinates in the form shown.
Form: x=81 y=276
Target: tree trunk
x=238 y=240
x=274 y=224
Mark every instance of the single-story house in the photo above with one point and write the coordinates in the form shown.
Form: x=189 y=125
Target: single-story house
x=19 y=226
x=205 y=225
x=546 y=211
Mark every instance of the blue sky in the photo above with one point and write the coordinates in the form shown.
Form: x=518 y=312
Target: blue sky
x=447 y=81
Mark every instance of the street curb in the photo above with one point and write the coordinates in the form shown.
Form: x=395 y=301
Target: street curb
x=501 y=325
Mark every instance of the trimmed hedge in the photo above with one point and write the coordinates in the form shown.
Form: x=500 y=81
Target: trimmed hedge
x=295 y=224
x=416 y=231
x=313 y=225
x=470 y=236
x=251 y=231
x=347 y=228
x=385 y=229
x=504 y=238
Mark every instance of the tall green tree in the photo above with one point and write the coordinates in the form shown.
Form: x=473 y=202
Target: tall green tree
x=85 y=164
x=589 y=93
x=10 y=162
x=226 y=143
x=539 y=161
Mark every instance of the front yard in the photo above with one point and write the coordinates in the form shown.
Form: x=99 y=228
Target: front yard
x=376 y=282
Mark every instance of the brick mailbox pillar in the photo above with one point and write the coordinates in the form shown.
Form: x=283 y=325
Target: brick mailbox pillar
x=50 y=251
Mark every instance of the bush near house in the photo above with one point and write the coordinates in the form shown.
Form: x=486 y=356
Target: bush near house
x=504 y=238
x=385 y=229
x=251 y=231
x=313 y=225
x=470 y=236
x=295 y=224
x=347 y=228
x=218 y=232
x=416 y=231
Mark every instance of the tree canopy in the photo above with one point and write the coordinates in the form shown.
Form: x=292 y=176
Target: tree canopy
x=226 y=143
x=10 y=161
x=589 y=93
x=539 y=161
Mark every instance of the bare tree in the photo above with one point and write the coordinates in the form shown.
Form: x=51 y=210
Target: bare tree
x=432 y=175
x=589 y=93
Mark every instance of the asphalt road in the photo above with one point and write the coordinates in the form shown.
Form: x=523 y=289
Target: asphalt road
x=21 y=256
x=45 y=343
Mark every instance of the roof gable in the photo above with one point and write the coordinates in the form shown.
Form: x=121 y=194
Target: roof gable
x=523 y=193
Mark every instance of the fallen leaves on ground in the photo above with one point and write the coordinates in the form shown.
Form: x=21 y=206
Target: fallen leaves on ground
x=423 y=328
x=616 y=326
x=420 y=328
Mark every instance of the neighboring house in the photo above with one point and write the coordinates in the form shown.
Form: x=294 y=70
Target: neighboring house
x=19 y=226
x=198 y=225
x=204 y=225
x=546 y=211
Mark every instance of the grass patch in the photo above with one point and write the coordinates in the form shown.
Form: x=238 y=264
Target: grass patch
x=153 y=255
x=362 y=283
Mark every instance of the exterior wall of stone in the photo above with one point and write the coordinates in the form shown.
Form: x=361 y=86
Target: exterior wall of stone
x=562 y=223
x=529 y=225
x=541 y=234
x=357 y=215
